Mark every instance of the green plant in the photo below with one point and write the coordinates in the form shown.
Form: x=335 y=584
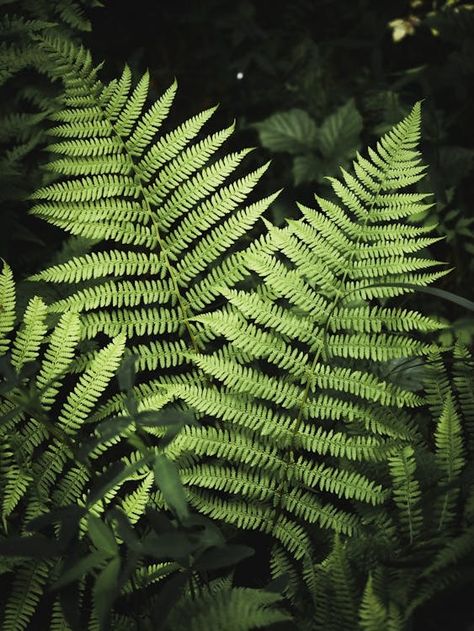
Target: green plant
x=318 y=152
x=280 y=384
x=429 y=542
x=304 y=417
x=28 y=96
x=171 y=217
x=52 y=474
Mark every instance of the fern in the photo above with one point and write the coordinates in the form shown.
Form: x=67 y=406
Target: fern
x=7 y=302
x=406 y=491
x=297 y=377
x=372 y=612
x=27 y=98
x=449 y=456
x=35 y=452
x=159 y=198
x=27 y=589
x=227 y=609
x=464 y=387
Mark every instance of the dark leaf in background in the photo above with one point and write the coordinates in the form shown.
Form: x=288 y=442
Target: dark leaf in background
x=36 y=546
x=168 y=481
x=126 y=373
x=159 y=520
x=293 y=132
x=228 y=555
x=167 y=597
x=105 y=590
x=115 y=474
x=80 y=568
x=169 y=545
x=102 y=536
x=69 y=598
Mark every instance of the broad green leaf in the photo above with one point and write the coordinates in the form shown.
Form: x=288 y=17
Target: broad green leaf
x=106 y=589
x=205 y=531
x=113 y=427
x=36 y=546
x=169 y=545
x=216 y=558
x=115 y=474
x=339 y=134
x=101 y=535
x=124 y=527
x=293 y=131
x=83 y=566
x=306 y=168
x=168 y=481
x=57 y=515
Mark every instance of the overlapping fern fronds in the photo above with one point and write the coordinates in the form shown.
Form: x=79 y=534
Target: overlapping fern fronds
x=225 y=607
x=430 y=526
x=37 y=469
x=22 y=128
x=27 y=96
x=303 y=418
x=166 y=208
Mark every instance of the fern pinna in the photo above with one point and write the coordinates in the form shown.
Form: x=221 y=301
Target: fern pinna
x=302 y=414
x=156 y=202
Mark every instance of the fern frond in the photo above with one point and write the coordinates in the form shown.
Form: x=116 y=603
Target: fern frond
x=148 y=574
x=28 y=340
x=296 y=372
x=58 y=356
x=75 y=410
x=372 y=612
x=98 y=264
x=449 y=458
x=162 y=197
x=282 y=564
x=406 y=491
x=237 y=608
x=7 y=307
x=27 y=588
x=464 y=386
x=456 y=550
x=16 y=483
x=134 y=503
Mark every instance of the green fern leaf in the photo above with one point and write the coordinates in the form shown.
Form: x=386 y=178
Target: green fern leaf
x=162 y=199
x=372 y=612
x=406 y=491
x=27 y=343
x=27 y=589
x=234 y=609
x=449 y=457
x=298 y=388
x=7 y=307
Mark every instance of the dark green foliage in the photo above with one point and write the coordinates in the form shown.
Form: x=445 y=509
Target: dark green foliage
x=73 y=546
x=27 y=97
x=211 y=422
